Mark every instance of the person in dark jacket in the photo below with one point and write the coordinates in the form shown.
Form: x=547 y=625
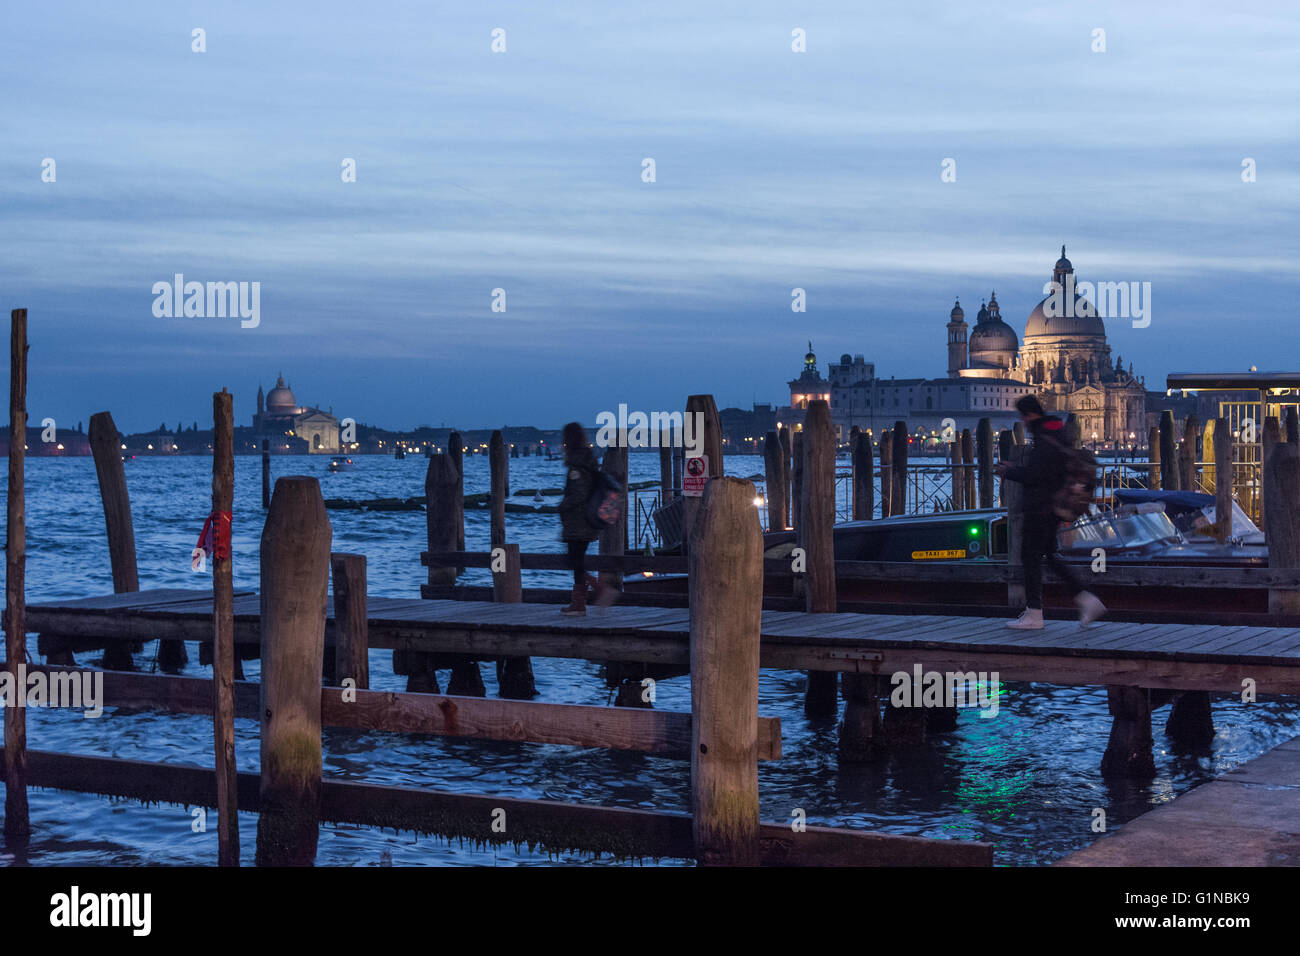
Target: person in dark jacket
x=575 y=530
x=1043 y=475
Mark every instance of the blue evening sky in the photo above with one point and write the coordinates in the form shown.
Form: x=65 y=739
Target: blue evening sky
x=523 y=171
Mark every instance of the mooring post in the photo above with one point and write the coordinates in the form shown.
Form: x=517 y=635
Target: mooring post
x=1153 y=457
x=787 y=477
x=665 y=465
x=498 y=487
x=1291 y=426
x=774 y=473
x=466 y=680
x=886 y=473
x=1011 y=495
x=1128 y=751
x=955 y=481
x=295 y=556
x=106 y=446
x=984 y=458
x=1269 y=436
x=1282 y=520
x=1168 y=458
x=710 y=446
x=266 y=474
x=515 y=679
x=726 y=585
x=817 y=538
x=898 y=487
x=223 y=630
x=456 y=449
x=1223 y=480
x=441 y=486
x=18 y=825
x=796 y=481
x=968 y=468
x=351 y=625
x=1187 y=453
x=864 y=479
x=613 y=538
x=1006 y=442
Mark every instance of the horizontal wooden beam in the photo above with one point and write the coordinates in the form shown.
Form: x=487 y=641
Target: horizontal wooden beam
x=550 y=561
x=660 y=732
x=550 y=824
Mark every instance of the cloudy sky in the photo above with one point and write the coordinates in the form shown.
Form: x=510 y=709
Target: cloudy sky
x=522 y=170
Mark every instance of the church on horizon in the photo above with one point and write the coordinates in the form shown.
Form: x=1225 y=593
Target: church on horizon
x=1064 y=360
x=291 y=427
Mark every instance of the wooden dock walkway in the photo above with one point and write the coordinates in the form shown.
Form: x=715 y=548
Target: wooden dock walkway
x=1248 y=817
x=1169 y=656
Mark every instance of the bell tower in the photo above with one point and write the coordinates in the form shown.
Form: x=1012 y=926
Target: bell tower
x=956 y=340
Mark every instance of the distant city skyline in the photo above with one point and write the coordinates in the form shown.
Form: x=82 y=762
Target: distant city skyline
x=775 y=170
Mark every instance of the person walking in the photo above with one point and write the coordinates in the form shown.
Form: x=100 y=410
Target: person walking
x=1043 y=475
x=575 y=530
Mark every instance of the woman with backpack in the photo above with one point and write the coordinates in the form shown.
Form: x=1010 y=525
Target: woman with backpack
x=576 y=530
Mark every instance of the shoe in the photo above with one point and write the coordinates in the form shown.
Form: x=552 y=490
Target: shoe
x=578 y=606
x=1030 y=620
x=1090 y=607
x=602 y=595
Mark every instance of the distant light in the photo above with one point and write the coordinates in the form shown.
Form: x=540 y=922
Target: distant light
x=758 y=501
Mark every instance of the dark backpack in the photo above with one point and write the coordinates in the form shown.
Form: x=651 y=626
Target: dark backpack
x=605 y=505
x=1075 y=496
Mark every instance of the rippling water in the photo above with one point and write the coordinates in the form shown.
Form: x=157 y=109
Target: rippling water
x=1026 y=781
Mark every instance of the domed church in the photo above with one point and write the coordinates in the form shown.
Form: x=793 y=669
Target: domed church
x=291 y=427
x=1064 y=357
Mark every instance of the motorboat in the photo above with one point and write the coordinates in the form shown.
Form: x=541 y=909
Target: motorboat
x=340 y=463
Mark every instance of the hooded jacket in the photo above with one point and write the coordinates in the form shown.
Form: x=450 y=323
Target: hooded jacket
x=1043 y=473
x=578 y=486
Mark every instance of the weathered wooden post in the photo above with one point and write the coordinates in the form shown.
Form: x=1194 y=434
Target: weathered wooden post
x=1291 y=425
x=1006 y=442
x=18 y=825
x=796 y=481
x=665 y=465
x=515 y=679
x=456 y=448
x=1168 y=459
x=1187 y=453
x=968 y=468
x=106 y=446
x=498 y=488
x=613 y=538
x=266 y=474
x=1222 y=479
x=294 y=589
x=351 y=625
x=1128 y=751
x=441 y=489
x=956 y=480
x=711 y=447
x=886 y=473
x=984 y=456
x=864 y=479
x=1282 y=520
x=787 y=473
x=1012 y=495
x=223 y=629
x=898 y=488
x=1270 y=436
x=726 y=582
x=1153 y=457
x=817 y=538
x=774 y=471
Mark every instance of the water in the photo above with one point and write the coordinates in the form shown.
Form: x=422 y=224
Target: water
x=1026 y=781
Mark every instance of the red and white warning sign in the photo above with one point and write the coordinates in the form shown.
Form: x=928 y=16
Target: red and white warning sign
x=696 y=477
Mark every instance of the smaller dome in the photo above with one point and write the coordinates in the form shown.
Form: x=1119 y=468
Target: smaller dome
x=1063 y=264
x=846 y=359
x=957 y=314
x=983 y=315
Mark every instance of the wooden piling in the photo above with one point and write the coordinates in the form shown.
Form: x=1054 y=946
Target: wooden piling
x=1270 y=436
x=1169 y=478
x=898 y=463
x=956 y=481
x=1187 y=453
x=984 y=458
x=1006 y=442
x=441 y=490
x=665 y=465
x=515 y=680
x=223 y=634
x=817 y=538
x=968 y=469
x=1128 y=751
x=613 y=538
x=106 y=446
x=1223 y=479
x=18 y=826
x=351 y=625
x=1291 y=426
x=796 y=482
x=1153 y=457
x=1282 y=524
x=864 y=490
x=711 y=447
x=266 y=474
x=886 y=473
x=295 y=554
x=774 y=472
x=726 y=575
x=498 y=488
x=456 y=449
x=787 y=476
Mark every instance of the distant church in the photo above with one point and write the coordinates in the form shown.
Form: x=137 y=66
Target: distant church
x=1064 y=360
x=292 y=427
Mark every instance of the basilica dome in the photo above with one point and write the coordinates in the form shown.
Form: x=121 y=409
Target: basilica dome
x=279 y=400
x=1053 y=317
